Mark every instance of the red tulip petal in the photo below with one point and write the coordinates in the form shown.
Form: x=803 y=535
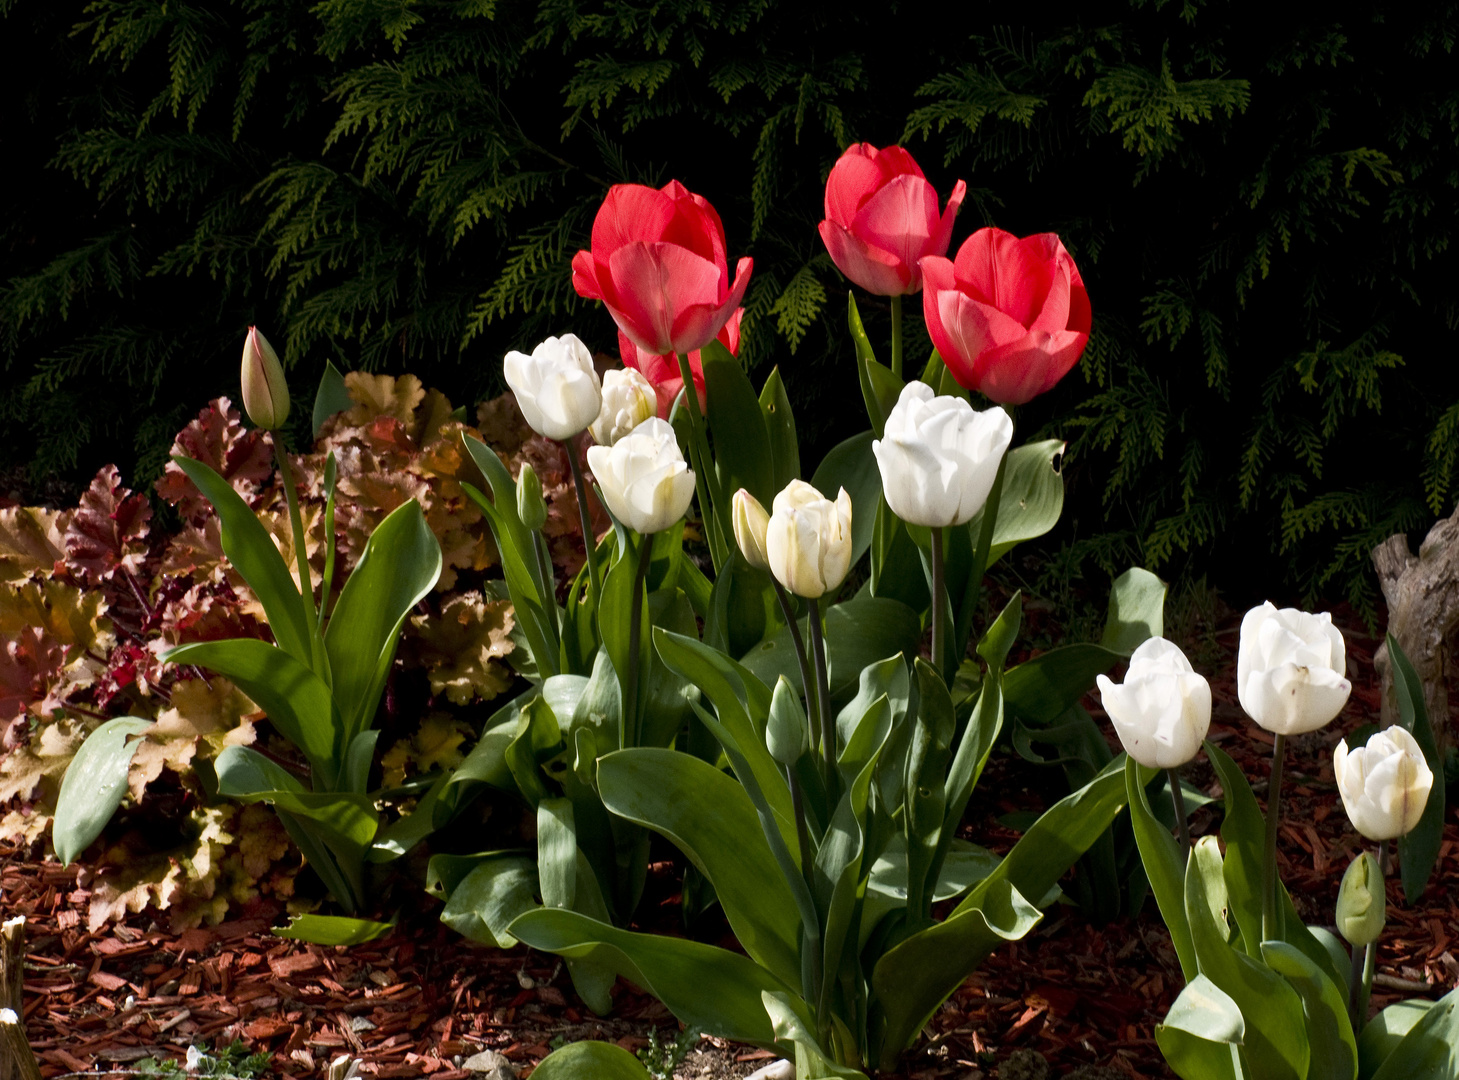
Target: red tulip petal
x=630 y=212
x=1021 y=370
x=900 y=219
x=895 y=161
x=656 y=285
x=878 y=272
x=696 y=226
x=854 y=179
x=585 y=276
x=940 y=242
x=1080 y=316
x=729 y=333
x=1054 y=314
x=696 y=324
x=978 y=260
x=971 y=328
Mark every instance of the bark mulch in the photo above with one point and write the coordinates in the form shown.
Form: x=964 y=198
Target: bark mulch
x=1083 y=999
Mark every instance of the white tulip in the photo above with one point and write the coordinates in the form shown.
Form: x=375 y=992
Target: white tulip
x=750 y=523
x=643 y=476
x=1162 y=711
x=938 y=457
x=556 y=387
x=628 y=400
x=808 y=540
x=1289 y=669
x=1384 y=785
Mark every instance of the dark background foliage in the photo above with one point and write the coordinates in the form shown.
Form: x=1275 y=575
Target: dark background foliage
x=1261 y=200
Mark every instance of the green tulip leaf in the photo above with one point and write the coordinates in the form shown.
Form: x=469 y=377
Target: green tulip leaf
x=1165 y=866
x=94 y=784
x=1385 y=1033
x=780 y=426
x=252 y=553
x=1430 y=1049
x=484 y=902
x=1203 y=1033
x=332 y=930
x=1418 y=850
x=1032 y=499
x=852 y=465
x=332 y=397
x=743 y=452
x=598 y=1060
x=1329 y=1031
x=713 y=989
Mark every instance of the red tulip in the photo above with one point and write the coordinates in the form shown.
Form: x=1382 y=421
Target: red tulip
x=658 y=262
x=881 y=218
x=1010 y=317
x=663 y=371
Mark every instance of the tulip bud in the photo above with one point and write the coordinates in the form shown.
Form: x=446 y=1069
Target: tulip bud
x=265 y=393
x=1384 y=785
x=808 y=540
x=1163 y=709
x=628 y=400
x=751 y=521
x=557 y=387
x=1289 y=669
x=1362 y=904
x=787 y=734
x=531 y=507
x=643 y=476
x=938 y=457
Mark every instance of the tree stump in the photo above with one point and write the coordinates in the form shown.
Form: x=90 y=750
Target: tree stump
x=1423 y=614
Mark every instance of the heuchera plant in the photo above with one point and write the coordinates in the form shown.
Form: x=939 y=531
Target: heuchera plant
x=780 y=728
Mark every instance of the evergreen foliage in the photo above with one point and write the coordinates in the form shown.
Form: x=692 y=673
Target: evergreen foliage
x=1262 y=206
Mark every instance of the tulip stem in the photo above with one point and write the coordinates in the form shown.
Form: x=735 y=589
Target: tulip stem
x=704 y=479
x=823 y=691
x=897 y=336
x=1370 y=951
x=1269 y=882
x=963 y=617
x=815 y=973
x=296 y=523
x=631 y=710
x=544 y=567
x=1177 y=800
x=585 y=520
x=939 y=619
x=807 y=683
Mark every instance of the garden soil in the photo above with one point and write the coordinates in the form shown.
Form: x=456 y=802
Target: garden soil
x=1071 y=1000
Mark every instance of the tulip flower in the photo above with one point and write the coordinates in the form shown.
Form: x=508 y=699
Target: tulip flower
x=663 y=372
x=1384 y=785
x=881 y=219
x=938 y=457
x=628 y=400
x=265 y=393
x=531 y=507
x=751 y=523
x=658 y=263
x=643 y=476
x=787 y=733
x=1009 y=317
x=1362 y=903
x=556 y=387
x=1289 y=669
x=1163 y=709
x=808 y=540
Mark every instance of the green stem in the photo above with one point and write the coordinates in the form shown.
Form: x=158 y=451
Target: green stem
x=704 y=478
x=823 y=691
x=544 y=569
x=963 y=616
x=329 y=551
x=1177 y=800
x=939 y=619
x=1370 y=951
x=635 y=640
x=815 y=976
x=306 y=583
x=897 y=336
x=1269 y=930
x=807 y=683
x=590 y=541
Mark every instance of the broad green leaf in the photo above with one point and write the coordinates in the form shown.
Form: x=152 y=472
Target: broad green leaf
x=811 y=1061
x=252 y=553
x=94 y=784
x=598 y=1060
x=879 y=387
x=557 y=852
x=399 y=566
x=742 y=449
x=859 y=632
x=354 y=772
x=332 y=397
x=1164 y=866
x=404 y=833
x=780 y=426
x=1032 y=500
x=924 y=798
x=713 y=989
x=538 y=740
x=1329 y=1031
x=332 y=930
x=1431 y=1047
x=886 y=890
x=1418 y=850
x=296 y=700
x=344 y=819
x=710 y=819
x=486 y=901
x=1384 y=1034
x=852 y=465
x=1202 y=1035
x=1276 y=1041
x=1136 y=611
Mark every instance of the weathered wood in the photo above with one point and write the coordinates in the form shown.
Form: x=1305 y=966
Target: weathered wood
x=15 y=1052
x=12 y=982
x=343 y=1068
x=1423 y=614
